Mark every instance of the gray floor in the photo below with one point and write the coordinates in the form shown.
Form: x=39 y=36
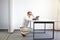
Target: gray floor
x=4 y=35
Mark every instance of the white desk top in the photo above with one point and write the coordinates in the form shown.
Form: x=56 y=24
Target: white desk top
x=44 y=20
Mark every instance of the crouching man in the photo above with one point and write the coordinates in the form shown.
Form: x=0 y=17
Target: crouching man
x=24 y=29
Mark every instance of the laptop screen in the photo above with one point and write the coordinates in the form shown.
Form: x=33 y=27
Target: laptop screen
x=37 y=17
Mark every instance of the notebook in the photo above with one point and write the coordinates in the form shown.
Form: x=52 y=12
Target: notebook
x=37 y=17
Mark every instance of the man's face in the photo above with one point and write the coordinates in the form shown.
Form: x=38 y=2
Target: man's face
x=30 y=14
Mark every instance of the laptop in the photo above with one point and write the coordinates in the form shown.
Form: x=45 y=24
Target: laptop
x=37 y=17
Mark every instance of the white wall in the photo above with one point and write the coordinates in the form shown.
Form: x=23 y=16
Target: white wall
x=58 y=17
x=46 y=9
x=4 y=14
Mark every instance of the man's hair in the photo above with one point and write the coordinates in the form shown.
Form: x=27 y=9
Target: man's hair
x=29 y=12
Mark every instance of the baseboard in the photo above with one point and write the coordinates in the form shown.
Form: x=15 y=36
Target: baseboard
x=56 y=30
x=19 y=29
x=37 y=30
x=3 y=29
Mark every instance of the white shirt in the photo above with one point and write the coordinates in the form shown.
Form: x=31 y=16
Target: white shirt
x=26 y=20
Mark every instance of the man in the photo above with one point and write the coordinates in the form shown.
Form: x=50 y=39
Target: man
x=24 y=29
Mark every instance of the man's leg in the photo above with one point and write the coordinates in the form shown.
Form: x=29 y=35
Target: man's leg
x=25 y=31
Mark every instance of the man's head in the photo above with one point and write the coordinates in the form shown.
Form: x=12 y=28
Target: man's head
x=29 y=13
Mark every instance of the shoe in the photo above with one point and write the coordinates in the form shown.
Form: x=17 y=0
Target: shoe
x=23 y=35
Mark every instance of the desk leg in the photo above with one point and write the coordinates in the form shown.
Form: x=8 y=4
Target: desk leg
x=33 y=31
x=44 y=27
x=53 y=31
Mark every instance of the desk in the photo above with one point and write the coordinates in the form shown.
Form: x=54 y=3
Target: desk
x=45 y=22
